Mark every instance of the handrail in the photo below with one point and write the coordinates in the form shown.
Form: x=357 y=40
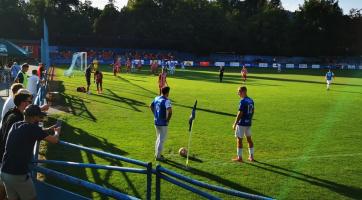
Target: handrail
x=160 y=169
x=86 y=184
x=93 y=166
x=102 y=153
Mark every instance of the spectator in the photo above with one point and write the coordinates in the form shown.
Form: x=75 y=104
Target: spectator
x=22 y=77
x=14 y=70
x=40 y=71
x=18 y=153
x=33 y=83
x=9 y=103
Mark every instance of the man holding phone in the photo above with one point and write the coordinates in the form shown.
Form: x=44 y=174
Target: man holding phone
x=18 y=153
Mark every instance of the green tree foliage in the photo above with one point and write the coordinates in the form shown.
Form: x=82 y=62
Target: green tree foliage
x=318 y=27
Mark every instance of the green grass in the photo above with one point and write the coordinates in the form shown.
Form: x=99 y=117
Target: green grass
x=307 y=140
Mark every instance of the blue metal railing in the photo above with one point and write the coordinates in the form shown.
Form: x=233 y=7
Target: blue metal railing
x=160 y=172
x=166 y=174
x=83 y=183
x=148 y=171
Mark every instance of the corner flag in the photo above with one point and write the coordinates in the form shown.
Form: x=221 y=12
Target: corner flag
x=191 y=120
x=192 y=116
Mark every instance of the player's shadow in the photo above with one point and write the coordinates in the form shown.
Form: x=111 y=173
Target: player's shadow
x=133 y=104
x=214 y=77
x=300 y=81
x=213 y=177
x=77 y=107
x=207 y=110
x=347 y=191
x=137 y=86
x=343 y=91
x=80 y=137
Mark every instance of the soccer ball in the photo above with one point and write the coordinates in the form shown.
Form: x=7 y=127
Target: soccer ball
x=182 y=151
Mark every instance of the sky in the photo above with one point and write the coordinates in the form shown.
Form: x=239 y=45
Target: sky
x=291 y=5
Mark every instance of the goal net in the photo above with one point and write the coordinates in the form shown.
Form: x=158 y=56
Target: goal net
x=79 y=63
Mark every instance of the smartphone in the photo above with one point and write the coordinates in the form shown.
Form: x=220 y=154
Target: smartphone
x=58 y=124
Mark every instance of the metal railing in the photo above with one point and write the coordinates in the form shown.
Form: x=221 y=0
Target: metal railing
x=92 y=186
x=173 y=177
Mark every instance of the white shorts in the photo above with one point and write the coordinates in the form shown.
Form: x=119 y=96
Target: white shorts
x=242 y=130
x=329 y=82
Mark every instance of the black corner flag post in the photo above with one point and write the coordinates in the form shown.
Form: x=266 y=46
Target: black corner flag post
x=191 y=122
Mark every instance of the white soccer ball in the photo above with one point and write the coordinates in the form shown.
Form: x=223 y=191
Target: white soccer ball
x=182 y=152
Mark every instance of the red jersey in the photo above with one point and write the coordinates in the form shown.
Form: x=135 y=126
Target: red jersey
x=162 y=80
x=244 y=71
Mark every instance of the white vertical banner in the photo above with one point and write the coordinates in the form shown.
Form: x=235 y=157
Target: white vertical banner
x=303 y=66
x=263 y=65
x=234 y=64
x=290 y=66
x=315 y=66
x=276 y=65
x=219 y=64
x=351 y=66
x=188 y=63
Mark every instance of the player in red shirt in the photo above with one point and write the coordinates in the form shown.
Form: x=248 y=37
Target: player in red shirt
x=98 y=79
x=162 y=79
x=128 y=65
x=244 y=72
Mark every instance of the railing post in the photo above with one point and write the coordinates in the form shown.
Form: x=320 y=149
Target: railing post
x=158 y=183
x=149 y=180
x=35 y=158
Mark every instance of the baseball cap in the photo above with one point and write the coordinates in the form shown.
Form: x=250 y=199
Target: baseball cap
x=33 y=110
x=23 y=91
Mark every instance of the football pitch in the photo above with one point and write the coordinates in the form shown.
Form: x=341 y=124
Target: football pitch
x=308 y=141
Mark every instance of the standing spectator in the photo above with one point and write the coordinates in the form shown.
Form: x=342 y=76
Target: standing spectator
x=41 y=71
x=162 y=111
x=162 y=82
x=22 y=77
x=98 y=79
x=88 y=73
x=221 y=73
x=14 y=70
x=21 y=99
x=33 y=83
x=18 y=153
x=9 y=103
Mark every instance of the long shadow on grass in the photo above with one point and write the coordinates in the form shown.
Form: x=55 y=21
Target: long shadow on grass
x=347 y=191
x=134 y=104
x=207 y=110
x=214 y=77
x=300 y=81
x=343 y=91
x=79 y=136
x=140 y=87
x=70 y=103
x=213 y=177
x=78 y=107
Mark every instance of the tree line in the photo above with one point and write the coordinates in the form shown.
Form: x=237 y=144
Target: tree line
x=264 y=27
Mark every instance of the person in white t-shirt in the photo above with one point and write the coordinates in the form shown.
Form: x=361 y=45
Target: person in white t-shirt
x=9 y=103
x=33 y=83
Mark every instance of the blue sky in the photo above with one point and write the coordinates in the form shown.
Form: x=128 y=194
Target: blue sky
x=291 y=5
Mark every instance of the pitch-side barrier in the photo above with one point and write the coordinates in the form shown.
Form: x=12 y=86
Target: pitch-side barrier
x=160 y=172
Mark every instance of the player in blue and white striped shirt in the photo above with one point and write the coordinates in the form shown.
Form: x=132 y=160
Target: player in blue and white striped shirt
x=329 y=78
